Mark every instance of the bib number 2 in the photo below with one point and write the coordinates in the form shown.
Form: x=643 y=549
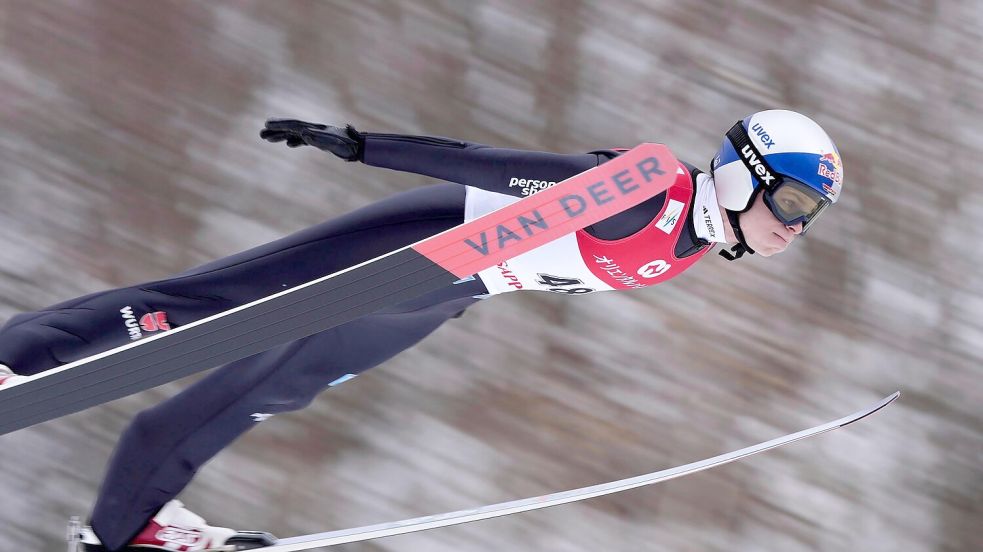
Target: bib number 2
x=559 y=284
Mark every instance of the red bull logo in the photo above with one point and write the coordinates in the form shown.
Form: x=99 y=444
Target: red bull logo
x=831 y=167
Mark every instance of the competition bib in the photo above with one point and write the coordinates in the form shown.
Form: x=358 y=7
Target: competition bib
x=579 y=263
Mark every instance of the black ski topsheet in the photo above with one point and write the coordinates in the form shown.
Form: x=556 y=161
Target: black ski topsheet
x=575 y=203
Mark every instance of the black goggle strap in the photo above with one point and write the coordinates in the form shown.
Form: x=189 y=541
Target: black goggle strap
x=767 y=178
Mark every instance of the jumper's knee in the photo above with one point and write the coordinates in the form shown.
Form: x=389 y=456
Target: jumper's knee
x=25 y=347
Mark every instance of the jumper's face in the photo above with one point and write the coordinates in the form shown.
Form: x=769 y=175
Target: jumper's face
x=763 y=232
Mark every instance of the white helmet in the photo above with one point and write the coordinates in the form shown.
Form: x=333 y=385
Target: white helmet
x=784 y=154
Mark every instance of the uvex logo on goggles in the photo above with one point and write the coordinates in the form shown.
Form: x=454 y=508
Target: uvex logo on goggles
x=754 y=163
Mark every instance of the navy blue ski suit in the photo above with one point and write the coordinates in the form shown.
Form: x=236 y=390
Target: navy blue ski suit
x=164 y=446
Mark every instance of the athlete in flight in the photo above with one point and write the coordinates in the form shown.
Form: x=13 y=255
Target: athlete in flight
x=775 y=173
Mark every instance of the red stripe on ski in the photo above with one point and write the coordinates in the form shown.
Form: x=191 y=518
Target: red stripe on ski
x=589 y=197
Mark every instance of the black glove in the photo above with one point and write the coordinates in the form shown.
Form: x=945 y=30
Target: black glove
x=347 y=143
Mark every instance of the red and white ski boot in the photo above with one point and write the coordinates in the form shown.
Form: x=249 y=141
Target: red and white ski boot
x=177 y=529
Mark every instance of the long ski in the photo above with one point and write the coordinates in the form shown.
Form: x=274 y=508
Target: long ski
x=575 y=203
x=369 y=532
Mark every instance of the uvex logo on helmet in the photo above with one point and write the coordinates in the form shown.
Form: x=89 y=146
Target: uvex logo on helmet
x=764 y=175
x=763 y=135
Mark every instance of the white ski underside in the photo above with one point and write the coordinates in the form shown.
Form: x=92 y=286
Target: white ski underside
x=331 y=538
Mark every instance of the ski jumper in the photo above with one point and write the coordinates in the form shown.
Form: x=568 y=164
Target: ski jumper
x=164 y=446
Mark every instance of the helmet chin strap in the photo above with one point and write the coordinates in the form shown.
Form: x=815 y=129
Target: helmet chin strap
x=738 y=250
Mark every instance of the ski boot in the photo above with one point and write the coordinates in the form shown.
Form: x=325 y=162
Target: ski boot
x=174 y=529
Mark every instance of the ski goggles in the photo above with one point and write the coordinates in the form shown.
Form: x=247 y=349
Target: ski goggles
x=794 y=202
x=791 y=201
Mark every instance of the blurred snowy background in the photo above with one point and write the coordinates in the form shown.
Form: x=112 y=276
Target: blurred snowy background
x=129 y=151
